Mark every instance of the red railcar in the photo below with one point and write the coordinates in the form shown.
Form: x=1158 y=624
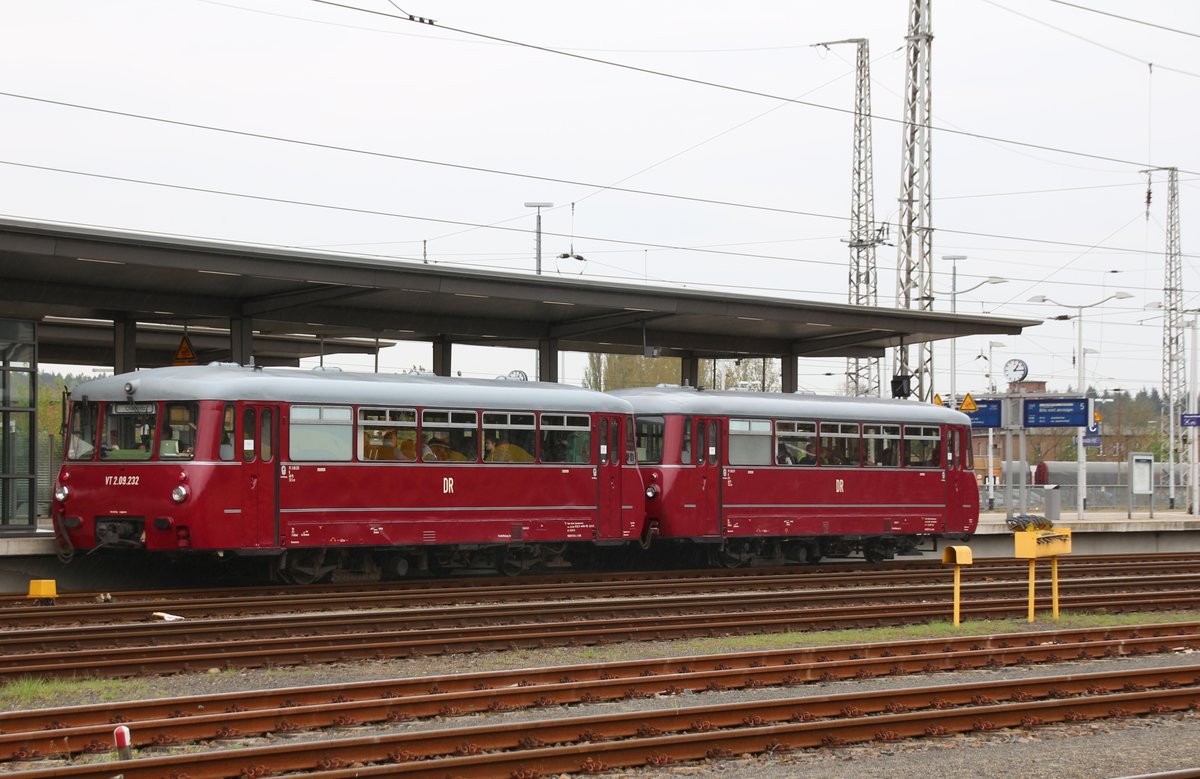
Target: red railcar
x=354 y=474
x=748 y=476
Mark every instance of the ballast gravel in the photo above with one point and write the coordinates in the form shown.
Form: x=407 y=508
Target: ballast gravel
x=1107 y=748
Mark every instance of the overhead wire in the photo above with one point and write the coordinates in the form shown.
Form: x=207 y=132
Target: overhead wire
x=743 y=90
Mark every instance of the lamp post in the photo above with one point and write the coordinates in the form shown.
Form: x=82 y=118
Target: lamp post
x=991 y=481
x=1080 y=451
x=953 y=259
x=1194 y=465
x=539 y=206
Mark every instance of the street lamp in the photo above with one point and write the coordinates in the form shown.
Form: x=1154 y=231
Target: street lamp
x=953 y=259
x=1081 y=454
x=539 y=206
x=991 y=480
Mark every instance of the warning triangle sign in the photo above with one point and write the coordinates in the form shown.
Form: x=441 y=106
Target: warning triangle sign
x=937 y=400
x=968 y=404
x=185 y=354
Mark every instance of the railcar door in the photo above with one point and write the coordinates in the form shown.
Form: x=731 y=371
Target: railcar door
x=962 y=492
x=610 y=450
x=260 y=473
x=708 y=476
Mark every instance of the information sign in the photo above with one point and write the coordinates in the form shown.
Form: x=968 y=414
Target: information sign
x=985 y=415
x=1058 y=412
x=1191 y=420
x=1091 y=440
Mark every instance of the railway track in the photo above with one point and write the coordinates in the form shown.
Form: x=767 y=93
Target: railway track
x=64 y=732
x=659 y=737
x=344 y=637
x=85 y=609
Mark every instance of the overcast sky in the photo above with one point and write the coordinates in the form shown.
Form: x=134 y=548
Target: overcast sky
x=308 y=124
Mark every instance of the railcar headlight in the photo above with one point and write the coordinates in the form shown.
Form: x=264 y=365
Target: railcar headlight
x=179 y=494
x=61 y=493
x=652 y=491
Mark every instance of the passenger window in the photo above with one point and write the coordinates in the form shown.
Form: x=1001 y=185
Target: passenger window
x=566 y=438
x=685 y=446
x=650 y=440
x=700 y=439
x=714 y=448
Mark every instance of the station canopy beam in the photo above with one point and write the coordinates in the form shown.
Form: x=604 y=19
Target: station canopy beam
x=77 y=281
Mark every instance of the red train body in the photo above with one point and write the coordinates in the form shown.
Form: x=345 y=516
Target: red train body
x=750 y=475
x=370 y=475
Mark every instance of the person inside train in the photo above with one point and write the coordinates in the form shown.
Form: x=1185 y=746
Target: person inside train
x=495 y=450
x=810 y=454
x=782 y=455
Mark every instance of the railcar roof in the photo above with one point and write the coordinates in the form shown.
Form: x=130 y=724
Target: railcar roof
x=230 y=382
x=689 y=400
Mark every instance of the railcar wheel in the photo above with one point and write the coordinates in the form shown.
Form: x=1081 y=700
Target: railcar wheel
x=725 y=557
x=517 y=560
x=307 y=567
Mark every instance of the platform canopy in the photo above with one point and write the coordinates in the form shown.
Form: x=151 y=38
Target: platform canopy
x=72 y=278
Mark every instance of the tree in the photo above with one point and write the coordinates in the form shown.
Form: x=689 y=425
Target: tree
x=619 y=371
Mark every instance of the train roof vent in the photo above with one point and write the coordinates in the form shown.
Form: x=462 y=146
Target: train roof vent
x=219 y=364
x=323 y=369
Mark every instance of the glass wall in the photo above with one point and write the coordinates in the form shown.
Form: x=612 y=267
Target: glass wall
x=18 y=421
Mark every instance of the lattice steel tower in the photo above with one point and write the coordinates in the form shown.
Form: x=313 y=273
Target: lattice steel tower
x=862 y=373
x=914 y=264
x=1174 y=387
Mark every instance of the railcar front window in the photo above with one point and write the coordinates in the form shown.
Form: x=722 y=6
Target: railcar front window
x=649 y=440
x=321 y=433
x=750 y=442
x=177 y=440
x=129 y=431
x=84 y=422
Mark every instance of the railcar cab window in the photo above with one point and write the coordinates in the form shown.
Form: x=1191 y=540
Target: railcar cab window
x=129 y=431
x=225 y=448
x=923 y=446
x=881 y=445
x=795 y=442
x=449 y=436
x=839 y=443
x=750 y=442
x=649 y=440
x=85 y=419
x=509 y=437
x=566 y=438
x=388 y=434
x=321 y=433
x=177 y=440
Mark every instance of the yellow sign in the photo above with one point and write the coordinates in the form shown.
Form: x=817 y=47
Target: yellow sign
x=185 y=354
x=937 y=400
x=1096 y=414
x=968 y=404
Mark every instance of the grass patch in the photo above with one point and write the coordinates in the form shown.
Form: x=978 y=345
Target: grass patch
x=32 y=692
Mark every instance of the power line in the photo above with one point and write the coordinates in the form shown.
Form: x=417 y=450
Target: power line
x=751 y=92
x=1127 y=19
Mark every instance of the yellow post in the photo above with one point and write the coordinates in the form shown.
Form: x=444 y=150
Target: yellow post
x=957 y=589
x=960 y=556
x=1032 y=576
x=1054 y=584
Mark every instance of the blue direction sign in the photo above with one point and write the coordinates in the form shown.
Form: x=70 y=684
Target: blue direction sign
x=985 y=415
x=1091 y=440
x=1057 y=412
x=1191 y=420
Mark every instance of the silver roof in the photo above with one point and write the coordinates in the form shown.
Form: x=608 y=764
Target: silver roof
x=688 y=400
x=232 y=382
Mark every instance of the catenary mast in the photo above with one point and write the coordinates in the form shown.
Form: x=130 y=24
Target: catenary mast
x=862 y=373
x=914 y=271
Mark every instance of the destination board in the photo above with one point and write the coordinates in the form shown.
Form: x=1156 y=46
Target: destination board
x=1059 y=412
